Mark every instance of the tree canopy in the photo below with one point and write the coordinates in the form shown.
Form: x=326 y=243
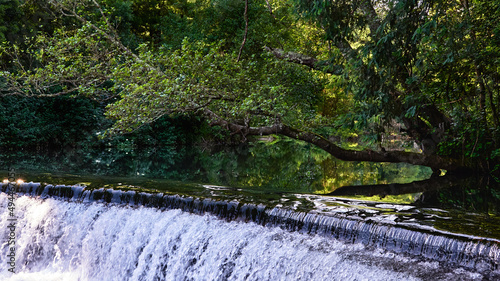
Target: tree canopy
x=426 y=70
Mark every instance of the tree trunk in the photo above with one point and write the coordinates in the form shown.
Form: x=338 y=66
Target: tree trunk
x=311 y=62
x=433 y=161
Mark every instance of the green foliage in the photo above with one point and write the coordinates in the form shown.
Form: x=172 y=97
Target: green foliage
x=166 y=23
x=429 y=66
x=47 y=123
x=178 y=131
x=168 y=78
x=63 y=122
x=196 y=77
x=340 y=19
x=462 y=49
x=432 y=65
x=9 y=10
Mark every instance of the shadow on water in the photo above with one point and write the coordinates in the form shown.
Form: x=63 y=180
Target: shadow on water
x=469 y=205
x=467 y=193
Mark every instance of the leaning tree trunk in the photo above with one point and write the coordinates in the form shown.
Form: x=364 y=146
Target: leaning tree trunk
x=433 y=161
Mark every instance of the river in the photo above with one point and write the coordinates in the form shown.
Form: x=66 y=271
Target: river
x=241 y=215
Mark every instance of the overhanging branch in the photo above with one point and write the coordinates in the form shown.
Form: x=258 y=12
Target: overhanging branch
x=433 y=161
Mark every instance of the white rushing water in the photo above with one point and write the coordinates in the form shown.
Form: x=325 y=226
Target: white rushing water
x=61 y=240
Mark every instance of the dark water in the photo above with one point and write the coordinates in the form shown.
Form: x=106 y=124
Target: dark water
x=280 y=166
x=446 y=227
x=260 y=167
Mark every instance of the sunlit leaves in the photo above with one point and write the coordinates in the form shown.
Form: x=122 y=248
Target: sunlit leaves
x=75 y=61
x=260 y=91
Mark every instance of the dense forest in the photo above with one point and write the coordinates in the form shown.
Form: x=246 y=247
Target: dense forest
x=352 y=77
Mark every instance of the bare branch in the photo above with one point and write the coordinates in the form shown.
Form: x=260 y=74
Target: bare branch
x=112 y=38
x=245 y=15
x=311 y=62
x=270 y=9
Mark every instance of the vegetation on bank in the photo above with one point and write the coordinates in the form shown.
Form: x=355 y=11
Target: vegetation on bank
x=309 y=70
x=65 y=123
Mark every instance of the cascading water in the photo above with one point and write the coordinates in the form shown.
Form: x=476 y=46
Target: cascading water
x=69 y=233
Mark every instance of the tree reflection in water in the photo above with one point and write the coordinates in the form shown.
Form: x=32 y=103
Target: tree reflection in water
x=279 y=166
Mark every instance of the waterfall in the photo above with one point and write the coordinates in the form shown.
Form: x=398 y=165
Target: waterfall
x=69 y=233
